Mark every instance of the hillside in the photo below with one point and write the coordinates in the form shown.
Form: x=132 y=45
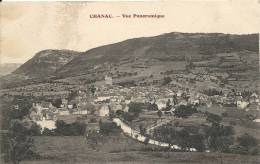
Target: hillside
x=46 y=62
x=43 y=65
x=139 y=59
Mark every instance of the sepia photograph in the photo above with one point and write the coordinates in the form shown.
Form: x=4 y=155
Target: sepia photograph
x=155 y=82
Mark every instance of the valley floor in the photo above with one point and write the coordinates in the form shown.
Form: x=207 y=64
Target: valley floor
x=119 y=149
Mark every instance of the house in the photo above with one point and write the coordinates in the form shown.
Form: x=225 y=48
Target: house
x=50 y=124
x=104 y=111
x=50 y=116
x=253 y=98
x=16 y=106
x=80 y=112
x=179 y=93
x=36 y=115
x=183 y=102
x=64 y=103
x=36 y=112
x=115 y=107
x=64 y=112
x=241 y=104
x=125 y=108
x=102 y=99
x=46 y=105
x=108 y=80
x=161 y=103
x=169 y=112
x=70 y=106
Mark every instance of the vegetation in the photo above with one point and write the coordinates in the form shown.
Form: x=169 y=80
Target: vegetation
x=152 y=107
x=73 y=129
x=166 y=80
x=135 y=108
x=17 y=144
x=107 y=127
x=76 y=128
x=247 y=144
x=185 y=111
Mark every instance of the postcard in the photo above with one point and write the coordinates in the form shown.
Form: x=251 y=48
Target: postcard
x=137 y=82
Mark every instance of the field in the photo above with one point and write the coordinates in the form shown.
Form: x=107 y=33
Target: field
x=120 y=149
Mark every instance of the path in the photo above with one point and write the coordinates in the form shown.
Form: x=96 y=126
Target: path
x=157 y=124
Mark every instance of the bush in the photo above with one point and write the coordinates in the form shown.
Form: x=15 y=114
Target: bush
x=107 y=127
x=48 y=132
x=213 y=118
x=233 y=123
x=128 y=116
x=185 y=111
x=247 y=140
x=152 y=107
x=74 y=129
x=166 y=80
x=220 y=137
x=35 y=130
x=135 y=108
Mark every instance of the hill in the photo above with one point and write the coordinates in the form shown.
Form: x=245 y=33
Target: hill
x=46 y=62
x=158 y=56
x=139 y=59
x=39 y=68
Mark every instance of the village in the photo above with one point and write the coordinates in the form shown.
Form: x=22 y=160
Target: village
x=102 y=101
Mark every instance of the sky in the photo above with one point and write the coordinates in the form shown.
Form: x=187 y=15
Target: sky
x=29 y=27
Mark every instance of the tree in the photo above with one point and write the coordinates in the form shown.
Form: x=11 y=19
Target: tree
x=17 y=142
x=213 y=118
x=247 y=140
x=159 y=113
x=166 y=133
x=74 y=129
x=175 y=100
x=152 y=107
x=93 y=90
x=142 y=130
x=48 y=132
x=60 y=124
x=168 y=105
x=23 y=104
x=166 y=80
x=20 y=144
x=220 y=137
x=185 y=111
x=57 y=103
x=135 y=108
x=35 y=129
x=247 y=144
x=106 y=127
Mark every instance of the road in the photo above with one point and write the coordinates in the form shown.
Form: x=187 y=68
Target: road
x=137 y=136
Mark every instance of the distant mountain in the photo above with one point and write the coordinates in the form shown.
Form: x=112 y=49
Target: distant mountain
x=45 y=63
x=7 y=68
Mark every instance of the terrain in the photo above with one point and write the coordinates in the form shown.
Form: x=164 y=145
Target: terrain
x=230 y=57
x=43 y=65
x=169 y=63
x=120 y=150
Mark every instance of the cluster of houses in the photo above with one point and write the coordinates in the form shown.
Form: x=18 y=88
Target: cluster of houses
x=109 y=97
x=113 y=98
